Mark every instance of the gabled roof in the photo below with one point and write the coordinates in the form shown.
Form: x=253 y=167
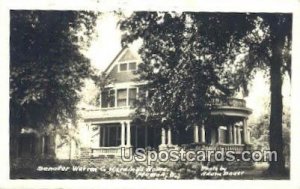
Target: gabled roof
x=126 y=54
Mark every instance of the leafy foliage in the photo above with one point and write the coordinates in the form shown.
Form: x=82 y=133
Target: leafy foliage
x=188 y=59
x=46 y=66
x=260 y=131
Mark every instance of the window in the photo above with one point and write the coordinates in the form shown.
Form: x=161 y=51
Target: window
x=123 y=67
x=132 y=66
x=121 y=97
x=132 y=97
x=111 y=98
x=108 y=98
x=104 y=99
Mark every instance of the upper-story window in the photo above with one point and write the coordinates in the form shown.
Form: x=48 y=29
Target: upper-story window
x=121 y=97
x=108 y=98
x=132 y=94
x=132 y=66
x=129 y=66
x=123 y=67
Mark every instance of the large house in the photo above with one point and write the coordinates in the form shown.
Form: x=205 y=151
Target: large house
x=110 y=126
x=104 y=130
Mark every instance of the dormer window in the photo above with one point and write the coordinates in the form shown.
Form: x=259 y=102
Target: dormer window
x=128 y=66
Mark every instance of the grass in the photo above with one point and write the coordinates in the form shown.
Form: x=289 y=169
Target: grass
x=113 y=168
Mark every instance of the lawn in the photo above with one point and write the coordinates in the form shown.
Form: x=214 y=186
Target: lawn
x=114 y=168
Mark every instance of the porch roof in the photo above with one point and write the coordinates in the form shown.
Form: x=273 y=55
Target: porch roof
x=108 y=114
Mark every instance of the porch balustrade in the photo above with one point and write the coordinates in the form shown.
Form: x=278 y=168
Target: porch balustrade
x=235 y=102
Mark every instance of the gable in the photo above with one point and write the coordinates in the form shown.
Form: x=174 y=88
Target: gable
x=125 y=57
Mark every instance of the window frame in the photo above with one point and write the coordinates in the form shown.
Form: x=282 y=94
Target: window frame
x=135 y=68
x=131 y=99
x=126 y=98
x=123 y=63
x=127 y=63
x=111 y=94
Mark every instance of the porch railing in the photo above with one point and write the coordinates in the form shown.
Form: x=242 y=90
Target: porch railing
x=214 y=147
x=106 y=151
x=235 y=102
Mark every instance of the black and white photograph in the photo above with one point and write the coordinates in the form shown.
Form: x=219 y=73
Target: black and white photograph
x=150 y=94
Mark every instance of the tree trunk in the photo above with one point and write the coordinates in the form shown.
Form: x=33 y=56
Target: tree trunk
x=276 y=140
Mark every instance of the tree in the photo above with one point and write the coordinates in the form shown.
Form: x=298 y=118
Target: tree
x=272 y=51
x=184 y=58
x=260 y=131
x=46 y=67
x=189 y=58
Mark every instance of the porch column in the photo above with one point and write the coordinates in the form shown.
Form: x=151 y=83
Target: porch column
x=43 y=145
x=245 y=127
x=122 y=134
x=128 y=143
x=230 y=133
x=239 y=135
x=219 y=135
x=127 y=97
x=213 y=135
x=146 y=136
x=169 y=137
x=234 y=135
x=249 y=136
x=196 y=133
x=202 y=133
x=100 y=138
x=163 y=136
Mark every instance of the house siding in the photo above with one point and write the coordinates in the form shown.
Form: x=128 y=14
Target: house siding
x=120 y=77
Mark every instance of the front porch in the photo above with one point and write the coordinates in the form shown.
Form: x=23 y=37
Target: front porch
x=107 y=139
x=226 y=128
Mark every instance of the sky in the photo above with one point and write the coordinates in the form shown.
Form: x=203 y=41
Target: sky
x=106 y=46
